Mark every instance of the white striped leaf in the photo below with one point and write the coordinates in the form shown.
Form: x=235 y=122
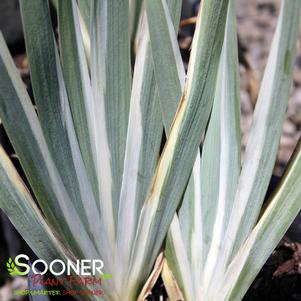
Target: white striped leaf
x=90 y=209
x=283 y=207
x=171 y=79
x=111 y=83
x=199 y=209
x=184 y=243
x=177 y=258
x=77 y=80
x=264 y=137
x=18 y=204
x=135 y=8
x=142 y=148
x=170 y=84
x=85 y=8
x=41 y=51
x=221 y=152
x=175 y=164
x=143 y=142
x=28 y=141
x=87 y=100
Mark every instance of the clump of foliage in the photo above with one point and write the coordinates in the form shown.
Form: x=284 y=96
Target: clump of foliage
x=90 y=147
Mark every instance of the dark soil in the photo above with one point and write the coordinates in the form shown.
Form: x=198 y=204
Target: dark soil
x=279 y=279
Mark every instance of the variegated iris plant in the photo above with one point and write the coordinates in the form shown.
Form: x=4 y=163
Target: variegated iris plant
x=90 y=147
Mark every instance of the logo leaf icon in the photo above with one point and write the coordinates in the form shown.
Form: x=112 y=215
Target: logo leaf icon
x=105 y=276
x=11 y=268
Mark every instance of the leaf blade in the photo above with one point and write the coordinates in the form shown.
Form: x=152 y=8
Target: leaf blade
x=171 y=177
x=142 y=149
x=223 y=153
x=111 y=84
x=41 y=51
x=30 y=145
x=168 y=64
x=275 y=220
x=266 y=128
x=76 y=75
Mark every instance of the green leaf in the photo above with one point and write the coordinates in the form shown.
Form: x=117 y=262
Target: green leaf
x=143 y=142
x=221 y=162
x=18 y=205
x=177 y=250
x=111 y=83
x=85 y=9
x=95 y=224
x=27 y=138
x=168 y=64
x=55 y=4
x=135 y=9
x=41 y=51
x=265 y=132
x=142 y=149
x=89 y=203
x=179 y=154
x=85 y=25
x=211 y=190
x=172 y=76
x=283 y=207
x=76 y=75
x=245 y=258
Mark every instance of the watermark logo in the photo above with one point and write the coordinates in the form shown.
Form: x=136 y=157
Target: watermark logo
x=57 y=267
x=79 y=277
